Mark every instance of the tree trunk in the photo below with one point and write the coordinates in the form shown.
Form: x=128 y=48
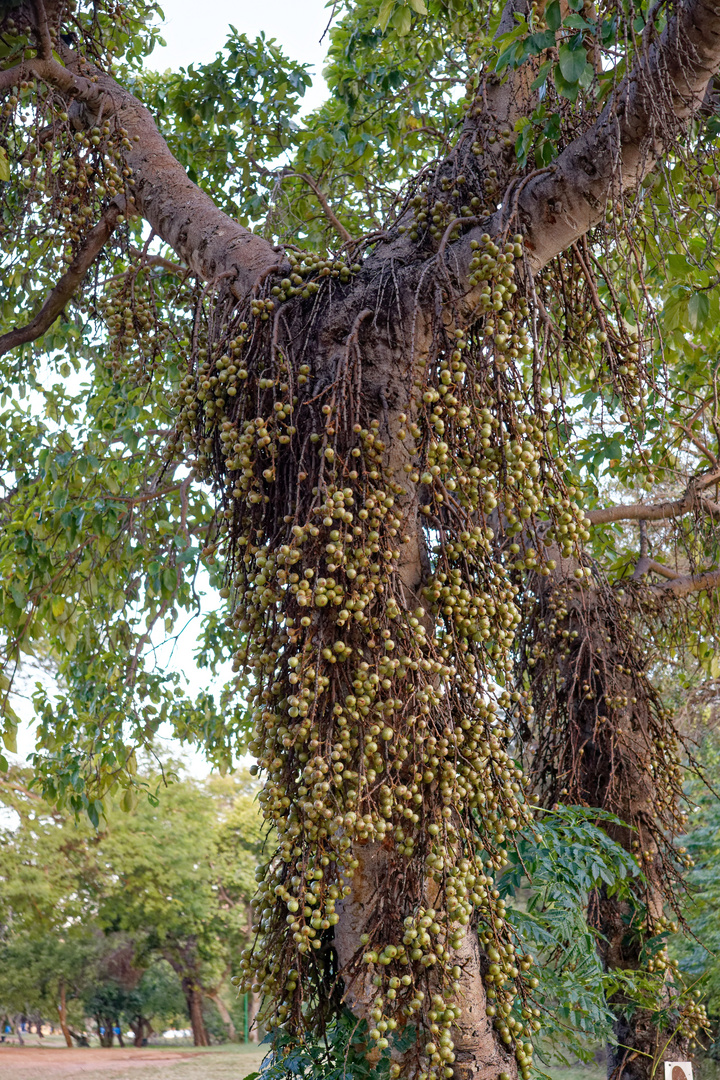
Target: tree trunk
x=408 y=308
x=224 y=1014
x=194 y=998
x=605 y=740
x=62 y=1012
x=253 y=1005
x=105 y=1031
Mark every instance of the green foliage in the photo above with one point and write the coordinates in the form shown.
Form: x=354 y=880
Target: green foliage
x=551 y=874
x=699 y=953
x=117 y=915
x=340 y=1056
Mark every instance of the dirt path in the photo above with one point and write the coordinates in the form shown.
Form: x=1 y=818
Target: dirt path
x=53 y=1063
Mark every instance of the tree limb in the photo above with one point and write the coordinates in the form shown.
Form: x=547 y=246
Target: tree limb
x=43 y=32
x=327 y=208
x=664 y=510
x=664 y=89
x=68 y=283
x=682 y=586
x=207 y=239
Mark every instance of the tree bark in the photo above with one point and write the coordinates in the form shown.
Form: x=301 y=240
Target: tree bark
x=62 y=1012
x=604 y=740
x=194 y=998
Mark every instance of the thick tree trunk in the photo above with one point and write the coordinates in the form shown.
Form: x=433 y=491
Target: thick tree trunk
x=194 y=998
x=62 y=1013
x=611 y=746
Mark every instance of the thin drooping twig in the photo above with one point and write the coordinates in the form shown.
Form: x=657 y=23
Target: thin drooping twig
x=326 y=207
x=68 y=284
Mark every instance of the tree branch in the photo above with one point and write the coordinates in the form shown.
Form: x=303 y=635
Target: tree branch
x=207 y=239
x=665 y=87
x=43 y=32
x=664 y=510
x=327 y=208
x=663 y=90
x=68 y=283
x=682 y=586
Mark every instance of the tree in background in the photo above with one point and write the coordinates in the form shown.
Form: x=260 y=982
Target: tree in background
x=90 y=917
x=390 y=427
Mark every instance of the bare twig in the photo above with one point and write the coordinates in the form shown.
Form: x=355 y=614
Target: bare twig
x=327 y=208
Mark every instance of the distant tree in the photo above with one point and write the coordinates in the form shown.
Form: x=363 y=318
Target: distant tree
x=92 y=918
x=181 y=882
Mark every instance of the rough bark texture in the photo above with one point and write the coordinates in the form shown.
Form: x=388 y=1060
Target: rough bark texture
x=602 y=750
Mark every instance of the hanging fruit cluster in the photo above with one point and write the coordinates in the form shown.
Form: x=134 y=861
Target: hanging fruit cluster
x=380 y=714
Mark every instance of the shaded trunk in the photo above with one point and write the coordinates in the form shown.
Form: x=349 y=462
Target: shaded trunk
x=62 y=1013
x=611 y=745
x=224 y=1015
x=105 y=1031
x=193 y=997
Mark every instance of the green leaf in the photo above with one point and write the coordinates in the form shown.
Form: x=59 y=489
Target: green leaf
x=572 y=62
x=386 y=9
x=19 y=596
x=9 y=738
x=4 y=166
x=698 y=308
x=402 y=21
x=418 y=6
x=553 y=15
x=542 y=75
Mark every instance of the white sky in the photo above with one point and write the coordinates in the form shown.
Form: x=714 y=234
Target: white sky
x=297 y=26
x=195 y=32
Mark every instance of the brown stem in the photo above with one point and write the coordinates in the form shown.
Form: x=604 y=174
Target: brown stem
x=686 y=584
x=327 y=208
x=659 y=511
x=68 y=284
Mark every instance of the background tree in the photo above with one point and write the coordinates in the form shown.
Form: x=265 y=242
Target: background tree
x=372 y=442
x=90 y=918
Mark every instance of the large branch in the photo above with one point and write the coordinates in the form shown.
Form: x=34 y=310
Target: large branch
x=671 y=508
x=67 y=285
x=181 y=214
x=664 y=89
x=682 y=586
